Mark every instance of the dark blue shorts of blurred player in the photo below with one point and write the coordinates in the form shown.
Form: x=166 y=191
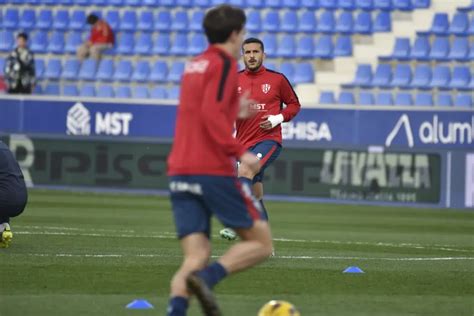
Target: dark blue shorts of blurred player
x=196 y=198
x=267 y=151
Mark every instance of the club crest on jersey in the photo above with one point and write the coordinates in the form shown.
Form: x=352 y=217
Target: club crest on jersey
x=266 y=88
x=239 y=90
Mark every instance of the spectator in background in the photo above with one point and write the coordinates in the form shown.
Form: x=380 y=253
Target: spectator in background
x=101 y=39
x=20 y=68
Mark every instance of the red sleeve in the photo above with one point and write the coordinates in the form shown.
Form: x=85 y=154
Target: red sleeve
x=289 y=97
x=217 y=110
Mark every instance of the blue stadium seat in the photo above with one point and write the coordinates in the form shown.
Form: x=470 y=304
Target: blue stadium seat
x=117 y=3
x=461 y=78
x=56 y=43
x=78 y=20
x=383 y=22
x=469 y=7
x=27 y=20
x=440 y=24
x=271 y=22
x=99 y=2
x=45 y=19
x=144 y=44
x=305 y=48
x=363 y=23
x=366 y=98
x=403 y=5
x=140 y=92
x=346 y=97
x=310 y=4
x=382 y=76
x=180 y=21
x=286 y=46
x=289 y=23
x=70 y=90
x=401 y=76
x=73 y=41
x=328 y=4
x=327 y=97
x=237 y=3
x=304 y=73
x=459 y=49
x=463 y=100
x=105 y=91
x=326 y=23
x=53 y=69
x=186 y=3
x=176 y=71
x=180 y=44
x=441 y=77
x=424 y=99
x=383 y=5
x=39 y=41
x=275 y=4
x=133 y=3
x=158 y=93
x=324 y=47
x=145 y=21
x=403 y=99
x=38 y=89
x=291 y=4
x=71 y=69
x=363 y=77
x=126 y=44
x=345 y=23
x=420 y=49
x=307 y=22
x=7 y=41
x=470 y=86
x=384 y=98
x=167 y=3
x=88 y=69
x=401 y=50
x=2 y=66
x=459 y=24
x=123 y=92
x=421 y=4
x=61 y=20
x=83 y=2
x=271 y=66
x=270 y=42
x=367 y=5
x=255 y=3
x=11 y=18
x=123 y=70
x=201 y=3
x=421 y=77
x=346 y=5
x=471 y=52
x=52 y=89
x=128 y=21
x=343 y=46
x=105 y=70
x=173 y=93
x=141 y=72
x=113 y=19
x=163 y=21
x=197 y=44
x=196 y=21
x=287 y=69
x=444 y=99
x=440 y=49
x=87 y=90
x=254 y=22
x=162 y=44
x=39 y=67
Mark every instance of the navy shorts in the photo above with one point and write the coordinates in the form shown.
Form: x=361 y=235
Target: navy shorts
x=267 y=151
x=196 y=198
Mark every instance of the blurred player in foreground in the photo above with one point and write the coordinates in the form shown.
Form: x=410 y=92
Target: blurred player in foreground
x=201 y=167
x=13 y=194
x=261 y=133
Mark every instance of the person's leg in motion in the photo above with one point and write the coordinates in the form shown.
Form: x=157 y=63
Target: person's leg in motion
x=83 y=51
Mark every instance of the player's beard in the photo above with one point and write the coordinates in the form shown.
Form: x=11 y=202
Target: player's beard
x=254 y=68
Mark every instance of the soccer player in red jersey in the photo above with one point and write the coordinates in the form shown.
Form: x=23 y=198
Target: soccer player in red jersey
x=201 y=168
x=261 y=133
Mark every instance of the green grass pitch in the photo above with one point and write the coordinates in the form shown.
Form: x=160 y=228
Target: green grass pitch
x=91 y=254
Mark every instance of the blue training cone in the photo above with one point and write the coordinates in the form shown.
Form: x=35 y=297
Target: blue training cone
x=140 y=304
x=353 y=269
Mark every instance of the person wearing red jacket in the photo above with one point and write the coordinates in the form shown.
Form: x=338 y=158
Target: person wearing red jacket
x=100 y=39
x=261 y=133
x=201 y=168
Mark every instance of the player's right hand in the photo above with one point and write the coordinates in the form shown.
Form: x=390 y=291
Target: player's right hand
x=251 y=161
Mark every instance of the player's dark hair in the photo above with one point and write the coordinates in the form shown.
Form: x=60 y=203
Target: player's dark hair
x=92 y=19
x=221 y=21
x=22 y=35
x=252 y=40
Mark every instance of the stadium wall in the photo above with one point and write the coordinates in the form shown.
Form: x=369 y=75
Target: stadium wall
x=403 y=155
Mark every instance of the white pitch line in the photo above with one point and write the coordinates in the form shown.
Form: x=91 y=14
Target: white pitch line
x=69 y=255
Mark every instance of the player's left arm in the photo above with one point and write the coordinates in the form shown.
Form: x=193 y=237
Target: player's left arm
x=288 y=96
